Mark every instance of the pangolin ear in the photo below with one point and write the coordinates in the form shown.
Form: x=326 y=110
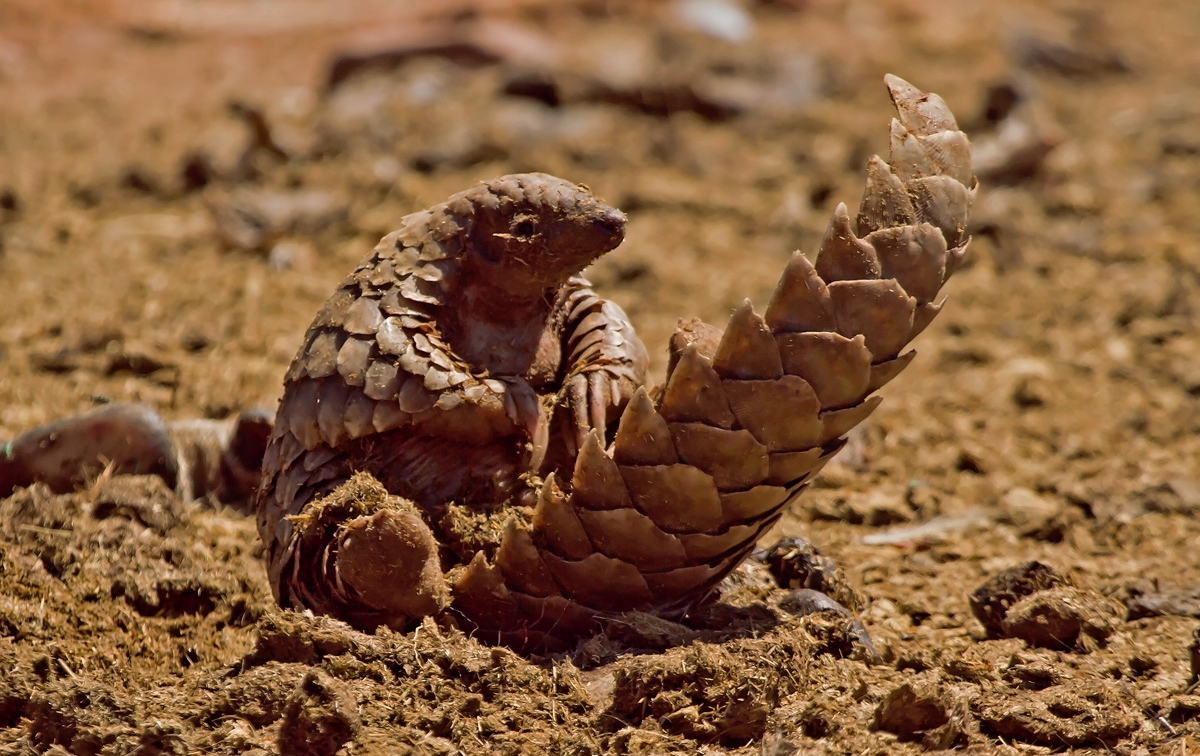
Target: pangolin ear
x=523 y=227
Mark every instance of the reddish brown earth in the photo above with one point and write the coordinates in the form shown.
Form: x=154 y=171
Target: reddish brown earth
x=1053 y=413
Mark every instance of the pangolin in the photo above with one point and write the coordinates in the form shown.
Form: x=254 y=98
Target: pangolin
x=465 y=375
x=469 y=369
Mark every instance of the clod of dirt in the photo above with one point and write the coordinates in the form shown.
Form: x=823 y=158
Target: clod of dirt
x=125 y=360
x=196 y=171
x=168 y=596
x=471 y=48
x=258 y=695
x=922 y=711
x=1062 y=618
x=710 y=693
x=973 y=664
x=1032 y=392
x=992 y=600
x=796 y=563
x=288 y=636
x=9 y=203
x=1086 y=712
x=1022 y=134
x=320 y=717
x=144 y=499
x=1034 y=670
x=834 y=627
x=645 y=631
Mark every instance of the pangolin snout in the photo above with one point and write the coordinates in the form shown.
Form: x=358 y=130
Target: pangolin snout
x=611 y=222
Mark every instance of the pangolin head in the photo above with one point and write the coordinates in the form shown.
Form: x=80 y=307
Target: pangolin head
x=530 y=232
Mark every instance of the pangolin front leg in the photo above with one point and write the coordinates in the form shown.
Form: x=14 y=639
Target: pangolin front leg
x=605 y=362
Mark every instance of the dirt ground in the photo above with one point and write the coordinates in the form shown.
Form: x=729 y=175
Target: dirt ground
x=182 y=183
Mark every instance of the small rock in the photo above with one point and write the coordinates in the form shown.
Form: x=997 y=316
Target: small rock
x=1084 y=712
x=796 y=563
x=991 y=601
x=832 y=626
x=1060 y=618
